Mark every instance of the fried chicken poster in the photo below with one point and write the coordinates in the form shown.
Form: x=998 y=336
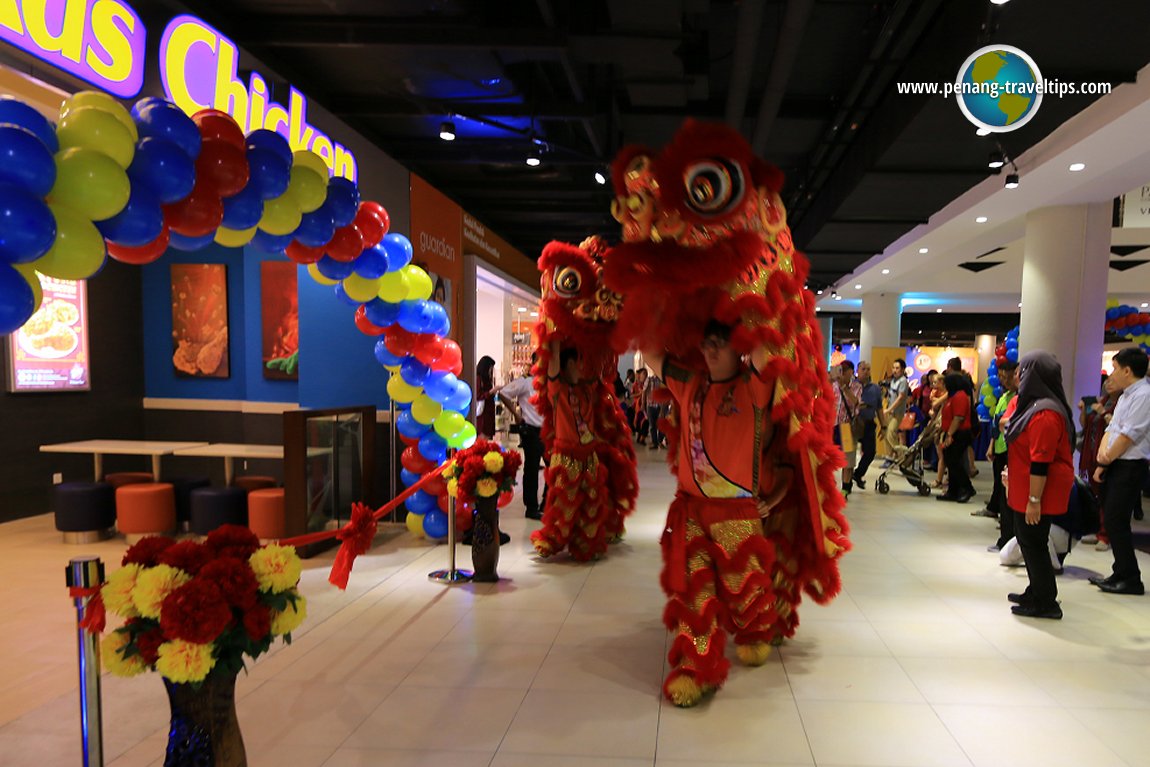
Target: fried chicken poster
x=200 y=320
x=279 y=309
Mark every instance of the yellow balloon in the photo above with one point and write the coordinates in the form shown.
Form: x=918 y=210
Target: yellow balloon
x=361 y=289
x=308 y=188
x=92 y=128
x=392 y=368
x=393 y=287
x=28 y=272
x=419 y=285
x=235 y=238
x=318 y=276
x=281 y=215
x=79 y=249
x=400 y=391
x=425 y=409
x=103 y=102
x=415 y=524
x=303 y=158
x=90 y=183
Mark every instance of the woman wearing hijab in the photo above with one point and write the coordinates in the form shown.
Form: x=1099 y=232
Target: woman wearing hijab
x=1040 y=474
x=955 y=438
x=485 y=395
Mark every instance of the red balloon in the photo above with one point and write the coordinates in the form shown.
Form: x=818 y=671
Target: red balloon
x=505 y=498
x=1001 y=360
x=198 y=214
x=451 y=359
x=377 y=210
x=142 y=254
x=398 y=341
x=436 y=486
x=409 y=441
x=214 y=124
x=444 y=502
x=302 y=254
x=364 y=324
x=414 y=462
x=346 y=244
x=428 y=348
x=370 y=227
x=222 y=167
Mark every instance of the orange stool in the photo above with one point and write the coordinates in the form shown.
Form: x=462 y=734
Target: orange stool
x=121 y=478
x=143 y=509
x=250 y=482
x=266 y=513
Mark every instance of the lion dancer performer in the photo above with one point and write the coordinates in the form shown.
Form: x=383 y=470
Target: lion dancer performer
x=705 y=239
x=591 y=476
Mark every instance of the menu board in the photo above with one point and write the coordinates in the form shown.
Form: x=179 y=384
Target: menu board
x=50 y=353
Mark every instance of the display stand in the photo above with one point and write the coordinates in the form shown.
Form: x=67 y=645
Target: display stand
x=451 y=575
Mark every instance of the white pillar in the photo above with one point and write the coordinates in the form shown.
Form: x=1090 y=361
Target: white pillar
x=826 y=326
x=1066 y=264
x=984 y=345
x=881 y=323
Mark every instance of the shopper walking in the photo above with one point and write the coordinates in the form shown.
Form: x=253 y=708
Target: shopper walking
x=899 y=394
x=519 y=392
x=956 y=439
x=848 y=392
x=870 y=402
x=654 y=410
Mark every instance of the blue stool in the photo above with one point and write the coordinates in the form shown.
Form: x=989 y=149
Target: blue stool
x=183 y=488
x=85 y=511
x=215 y=506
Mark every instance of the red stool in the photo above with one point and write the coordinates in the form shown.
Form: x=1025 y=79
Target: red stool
x=250 y=482
x=144 y=509
x=266 y=513
x=121 y=478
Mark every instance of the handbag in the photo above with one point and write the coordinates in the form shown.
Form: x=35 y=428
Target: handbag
x=846 y=437
x=908 y=421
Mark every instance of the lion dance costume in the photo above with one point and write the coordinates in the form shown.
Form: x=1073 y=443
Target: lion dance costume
x=591 y=477
x=705 y=238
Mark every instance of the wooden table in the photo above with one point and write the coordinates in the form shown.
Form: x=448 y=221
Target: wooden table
x=101 y=447
x=230 y=452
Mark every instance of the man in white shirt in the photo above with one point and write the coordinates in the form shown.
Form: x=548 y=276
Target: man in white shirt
x=517 y=395
x=899 y=394
x=1122 y=467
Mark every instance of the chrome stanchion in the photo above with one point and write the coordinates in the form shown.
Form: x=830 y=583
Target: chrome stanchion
x=88 y=573
x=451 y=575
x=393 y=447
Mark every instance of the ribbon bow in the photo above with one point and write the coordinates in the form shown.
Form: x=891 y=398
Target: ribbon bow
x=357 y=536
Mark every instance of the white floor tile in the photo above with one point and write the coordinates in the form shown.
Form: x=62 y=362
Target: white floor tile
x=879 y=734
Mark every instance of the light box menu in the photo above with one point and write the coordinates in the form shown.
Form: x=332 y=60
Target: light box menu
x=50 y=353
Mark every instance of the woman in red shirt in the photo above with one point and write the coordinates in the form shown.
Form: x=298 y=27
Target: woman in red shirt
x=956 y=438
x=1040 y=470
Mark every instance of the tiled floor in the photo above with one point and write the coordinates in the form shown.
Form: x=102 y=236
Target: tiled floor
x=919 y=662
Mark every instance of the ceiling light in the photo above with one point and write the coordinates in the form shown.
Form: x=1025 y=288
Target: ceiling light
x=1144 y=304
x=819 y=292
x=838 y=297
x=999 y=2
x=534 y=314
x=996 y=161
x=447 y=130
x=600 y=178
x=858 y=287
x=938 y=311
x=982 y=132
x=1011 y=181
x=818 y=308
x=981 y=220
x=886 y=271
x=920 y=332
x=1077 y=166
x=1019 y=304
x=924 y=251
x=521 y=309
x=533 y=157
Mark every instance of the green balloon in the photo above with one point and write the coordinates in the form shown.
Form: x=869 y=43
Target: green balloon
x=78 y=251
x=90 y=183
x=93 y=128
x=449 y=423
x=464 y=438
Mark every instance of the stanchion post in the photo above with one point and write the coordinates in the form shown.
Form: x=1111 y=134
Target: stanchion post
x=393 y=447
x=451 y=575
x=88 y=573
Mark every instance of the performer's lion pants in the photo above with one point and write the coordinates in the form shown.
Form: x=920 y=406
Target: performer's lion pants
x=576 y=514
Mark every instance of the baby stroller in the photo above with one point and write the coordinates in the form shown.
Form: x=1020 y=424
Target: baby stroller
x=911 y=462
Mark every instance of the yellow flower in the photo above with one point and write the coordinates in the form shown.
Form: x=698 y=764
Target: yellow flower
x=111 y=653
x=153 y=584
x=453 y=487
x=277 y=568
x=183 y=662
x=493 y=462
x=290 y=619
x=449 y=472
x=486 y=487
x=117 y=592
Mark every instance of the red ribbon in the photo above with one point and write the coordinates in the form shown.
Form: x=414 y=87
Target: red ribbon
x=95 y=616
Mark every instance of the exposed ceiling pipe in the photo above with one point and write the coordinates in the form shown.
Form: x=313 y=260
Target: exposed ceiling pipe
x=747 y=32
x=795 y=18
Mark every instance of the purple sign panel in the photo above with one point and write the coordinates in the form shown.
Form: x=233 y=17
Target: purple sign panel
x=100 y=42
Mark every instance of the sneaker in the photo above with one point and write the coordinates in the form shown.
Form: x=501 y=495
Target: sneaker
x=984 y=512
x=994 y=548
x=1102 y=546
x=1090 y=538
x=860 y=482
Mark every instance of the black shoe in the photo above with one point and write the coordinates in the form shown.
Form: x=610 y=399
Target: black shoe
x=1139 y=514
x=964 y=498
x=1129 y=586
x=504 y=538
x=860 y=482
x=536 y=514
x=1053 y=612
x=1020 y=599
x=994 y=547
x=1098 y=580
x=945 y=497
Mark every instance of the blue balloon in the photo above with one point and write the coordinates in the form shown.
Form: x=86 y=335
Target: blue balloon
x=1012 y=354
x=181 y=242
x=1112 y=313
x=439 y=324
x=16 y=112
x=342 y=200
x=403 y=406
x=414 y=316
x=992 y=380
x=243 y=210
x=156 y=118
x=413 y=372
x=421 y=502
x=432 y=447
x=440 y=385
x=270 y=141
x=334 y=270
x=27 y=226
x=460 y=399
x=268 y=173
x=1011 y=343
x=371 y=263
x=271 y=243
x=983 y=411
x=343 y=296
x=164 y=168
x=384 y=355
x=398 y=249
x=140 y=222
x=25 y=161
x=409 y=478
x=406 y=425
x=381 y=313
x=435 y=524
x=17 y=302
x=315 y=228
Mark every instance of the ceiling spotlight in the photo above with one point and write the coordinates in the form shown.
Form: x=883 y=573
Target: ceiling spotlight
x=837 y=297
x=600 y=178
x=938 y=311
x=999 y=2
x=534 y=314
x=533 y=157
x=447 y=130
x=886 y=271
x=996 y=161
x=858 y=287
x=982 y=132
x=924 y=251
x=1144 y=304
x=1019 y=304
x=1077 y=166
x=819 y=292
x=981 y=220
x=1011 y=181
x=521 y=309
x=818 y=308
x=920 y=332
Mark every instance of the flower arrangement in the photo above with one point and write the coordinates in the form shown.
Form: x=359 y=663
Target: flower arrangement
x=484 y=470
x=192 y=608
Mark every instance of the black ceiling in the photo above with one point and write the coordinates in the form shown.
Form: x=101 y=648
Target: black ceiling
x=810 y=82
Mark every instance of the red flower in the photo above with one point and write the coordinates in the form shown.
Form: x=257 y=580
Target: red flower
x=148 y=643
x=258 y=622
x=188 y=556
x=235 y=580
x=146 y=551
x=195 y=612
x=232 y=541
